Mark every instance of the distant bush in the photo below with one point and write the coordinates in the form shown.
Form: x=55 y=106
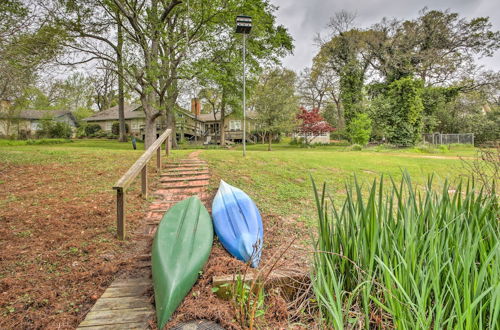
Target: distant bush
x=53 y=129
x=356 y=147
x=115 y=128
x=48 y=141
x=360 y=129
x=92 y=129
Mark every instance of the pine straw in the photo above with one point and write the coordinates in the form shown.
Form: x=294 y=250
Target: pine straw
x=202 y=303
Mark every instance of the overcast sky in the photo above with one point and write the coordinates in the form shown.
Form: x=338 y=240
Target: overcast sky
x=305 y=18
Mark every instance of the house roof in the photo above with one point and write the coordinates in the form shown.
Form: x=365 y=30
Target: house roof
x=210 y=116
x=130 y=112
x=39 y=114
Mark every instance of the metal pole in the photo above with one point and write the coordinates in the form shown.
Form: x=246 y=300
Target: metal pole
x=244 y=96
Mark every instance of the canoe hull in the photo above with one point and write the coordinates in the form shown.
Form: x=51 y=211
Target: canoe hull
x=181 y=248
x=238 y=223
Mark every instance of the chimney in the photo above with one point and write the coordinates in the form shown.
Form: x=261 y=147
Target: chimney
x=196 y=106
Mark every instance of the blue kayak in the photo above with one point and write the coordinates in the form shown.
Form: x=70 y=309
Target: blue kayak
x=238 y=223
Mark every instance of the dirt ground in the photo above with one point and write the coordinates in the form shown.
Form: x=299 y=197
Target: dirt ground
x=59 y=251
x=57 y=242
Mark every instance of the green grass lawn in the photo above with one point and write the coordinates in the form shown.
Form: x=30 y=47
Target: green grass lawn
x=279 y=180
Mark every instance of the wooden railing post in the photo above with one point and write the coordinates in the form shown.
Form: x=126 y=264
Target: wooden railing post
x=144 y=182
x=158 y=159
x=139 y=166
x=120 y=214
x=168 y=145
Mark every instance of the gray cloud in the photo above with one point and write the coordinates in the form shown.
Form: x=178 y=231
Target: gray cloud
x=305 y=18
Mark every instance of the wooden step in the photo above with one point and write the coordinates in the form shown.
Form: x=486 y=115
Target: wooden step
x=124 y=305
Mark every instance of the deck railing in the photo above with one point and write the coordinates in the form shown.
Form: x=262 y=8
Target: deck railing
x=139 y=166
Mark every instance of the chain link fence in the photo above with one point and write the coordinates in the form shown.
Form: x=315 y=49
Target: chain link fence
x=438 y=138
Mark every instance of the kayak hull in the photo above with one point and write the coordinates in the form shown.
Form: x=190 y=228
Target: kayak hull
x=238 y=224
x=181 y=247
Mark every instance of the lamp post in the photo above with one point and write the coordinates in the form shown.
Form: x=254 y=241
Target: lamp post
x=243 y=26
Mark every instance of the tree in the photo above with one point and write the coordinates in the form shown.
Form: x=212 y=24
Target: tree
x=221 y=69
x=437 y=47
x=404 y=121
x=312 y=124
x=360 y=129
x=275 y=102
x=346 y=55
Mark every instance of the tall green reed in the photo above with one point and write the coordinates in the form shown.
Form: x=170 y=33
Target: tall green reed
x=408 y=258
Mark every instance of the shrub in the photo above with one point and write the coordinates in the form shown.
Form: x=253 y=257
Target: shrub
x=53 y=129
x=92 y=129
x=356 y=147
x=359 y=129
x=408 y=258
x=48 y=141
x=115 y=128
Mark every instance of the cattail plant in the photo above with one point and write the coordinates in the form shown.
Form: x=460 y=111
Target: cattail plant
x=409 y=258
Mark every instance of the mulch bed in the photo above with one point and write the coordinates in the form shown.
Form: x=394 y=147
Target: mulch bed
x=57 y=237
x=59 y=252
x=202 y=303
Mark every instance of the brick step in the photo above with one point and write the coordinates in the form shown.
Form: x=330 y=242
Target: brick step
x=186 y=162
x=187 y=165
x=183 y=174
x=170 y=187
x=187 y=170
x=185 y=184
x=186 y=179
x=175 y=198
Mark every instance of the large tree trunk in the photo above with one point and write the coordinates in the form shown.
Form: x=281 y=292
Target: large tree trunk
x=150 y=120
x=121 y=100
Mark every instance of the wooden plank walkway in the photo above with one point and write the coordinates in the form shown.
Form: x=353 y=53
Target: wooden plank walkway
x=126 y=303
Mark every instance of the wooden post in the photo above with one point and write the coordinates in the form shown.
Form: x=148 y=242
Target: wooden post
x=158 y=159
x=168 y=145
x=120 y=213
x=144 y=182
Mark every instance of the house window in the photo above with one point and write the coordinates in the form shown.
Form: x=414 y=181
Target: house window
x=235 y=125
x=108 y=125
x=35 y=126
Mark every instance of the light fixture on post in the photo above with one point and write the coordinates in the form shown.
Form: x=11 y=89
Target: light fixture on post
x=244 y=26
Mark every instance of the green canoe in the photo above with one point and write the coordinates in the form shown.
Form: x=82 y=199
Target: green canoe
x=181 y=248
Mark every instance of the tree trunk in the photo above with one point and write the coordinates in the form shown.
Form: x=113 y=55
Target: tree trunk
x=270 y=140
x=150 y=120
x=121 y=101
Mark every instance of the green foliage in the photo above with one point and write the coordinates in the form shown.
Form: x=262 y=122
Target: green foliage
x=92 y=129
x=115 y=128
x=435 y=100
x=360 y=129
x=248 y=300
x=356 y=147
x=54 y=129
x=421 y=258
x=351 y=90
x=403 y=122
x=275 y=101
x=48 y=141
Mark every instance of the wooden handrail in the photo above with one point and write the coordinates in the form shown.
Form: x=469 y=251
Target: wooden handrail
x=139 y=166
